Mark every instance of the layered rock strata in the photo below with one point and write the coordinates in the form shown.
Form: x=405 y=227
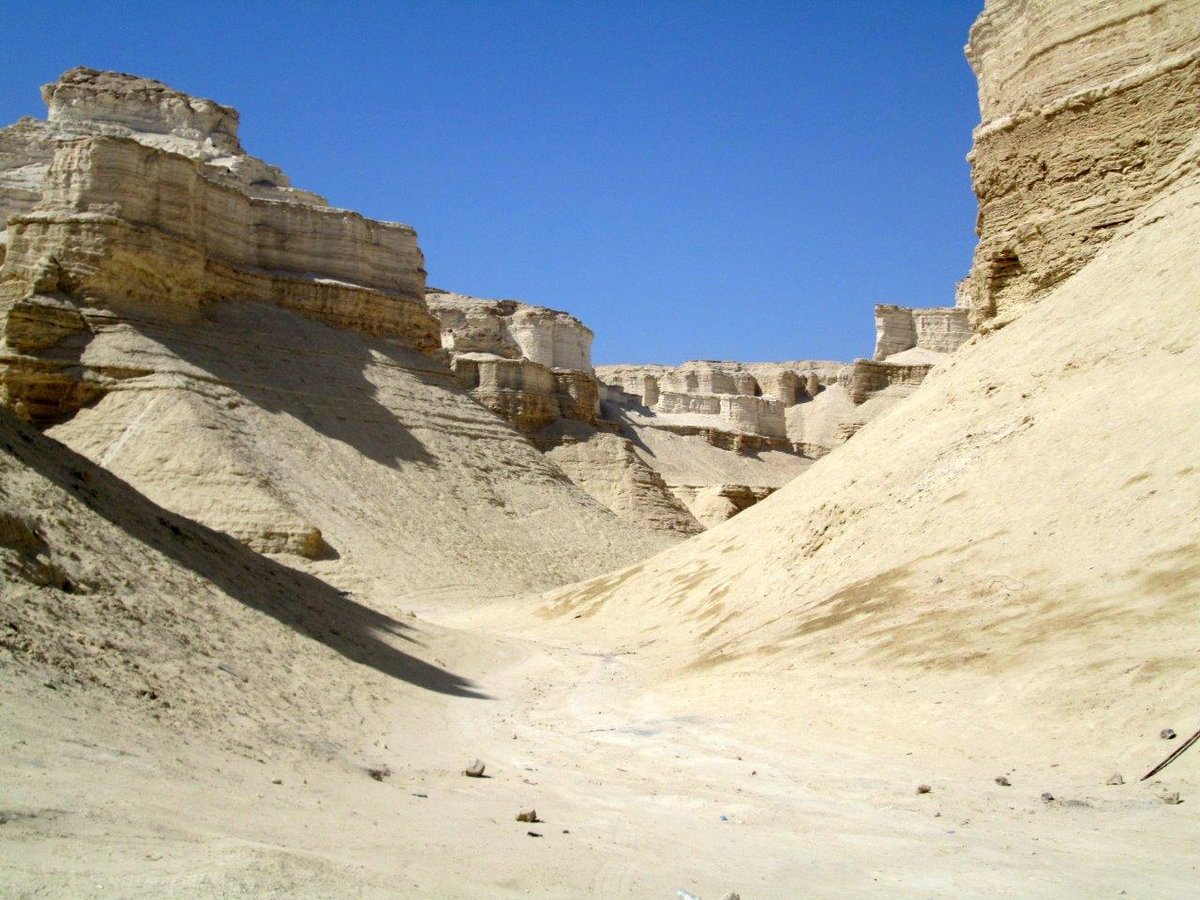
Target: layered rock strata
x=253 y=359
x=1086 y=111
x=87 y=102
x=716 y=431
x=933 y=330
x=529 y=364
x=532 y=366
x=739 y=430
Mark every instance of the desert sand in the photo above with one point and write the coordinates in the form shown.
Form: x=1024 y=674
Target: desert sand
x=937 y=663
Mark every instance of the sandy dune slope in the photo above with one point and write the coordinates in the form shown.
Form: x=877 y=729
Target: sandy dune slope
x=659 y=756
x=1026 y=527
x=262 y=423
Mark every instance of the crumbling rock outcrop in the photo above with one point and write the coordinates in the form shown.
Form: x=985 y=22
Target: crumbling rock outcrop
x=934 y=330
x=135 y=200
x=1086 y=109
x=511 y=329
x=255 y=360
x=528 y=364
x=532 y=366
x=726 y=421
x=724 y=400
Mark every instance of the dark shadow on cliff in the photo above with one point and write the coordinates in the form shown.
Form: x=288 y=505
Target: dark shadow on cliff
x=295 y=599
x=283 y=362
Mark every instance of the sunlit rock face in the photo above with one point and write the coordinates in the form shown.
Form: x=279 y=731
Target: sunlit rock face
x=532 y=366
x=899 y=329
x=87 y=102
x=248 y=357
x=529 y=364
x=1087 y=109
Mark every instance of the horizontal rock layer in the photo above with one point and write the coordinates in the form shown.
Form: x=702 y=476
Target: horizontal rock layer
x=935 y=330
x=1087 y=109
x=267 y=368
x=512 y=329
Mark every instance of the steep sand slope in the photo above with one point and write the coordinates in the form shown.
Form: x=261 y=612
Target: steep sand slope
x=261 y=422
x=105 y=590
x=185 y=718
x=1025 y=530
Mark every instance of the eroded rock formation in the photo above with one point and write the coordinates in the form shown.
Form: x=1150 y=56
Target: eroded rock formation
x=111 y=223
x=1087 y=109
x=529 y=364
x=247 y=356
x=768 y=421
x=532 y=366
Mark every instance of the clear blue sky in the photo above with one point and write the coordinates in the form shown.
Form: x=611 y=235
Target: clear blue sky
x=735 y=180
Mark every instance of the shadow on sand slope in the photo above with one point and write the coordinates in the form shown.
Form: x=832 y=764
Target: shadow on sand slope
x=282 y=362
x=295 y=599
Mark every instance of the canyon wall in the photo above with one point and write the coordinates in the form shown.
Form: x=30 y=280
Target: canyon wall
x=1016 y=548
x=1087 y=109
x=257 y=361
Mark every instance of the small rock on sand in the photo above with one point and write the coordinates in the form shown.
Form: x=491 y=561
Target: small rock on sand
x=1003 y=781
x=1172 y=798
x=1167 y=734
x=475 y=769
x=923 y=789
x=529 y=815
x=1115 y=778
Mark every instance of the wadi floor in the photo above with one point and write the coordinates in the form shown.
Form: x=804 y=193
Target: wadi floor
x=766 y=790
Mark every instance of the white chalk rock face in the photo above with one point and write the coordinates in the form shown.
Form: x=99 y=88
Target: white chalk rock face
x=512 y=329
x=138 y=200
x=529 y=364
x=1087 y=109
x=935 y=330
x=250 y=358
x=532 y=367
x=735 y=404
x=716 y=431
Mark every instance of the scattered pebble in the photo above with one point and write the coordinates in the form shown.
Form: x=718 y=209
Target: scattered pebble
x=1167 y=734
x=732 y=895
x=276 y=781
x=529 y=815
x=1047 y=797
x=379 y=772
x=534 y=833
x=1115 y=778
x=923 y=789
x=1003 y=781
x=475 y=769
x=1172 y=799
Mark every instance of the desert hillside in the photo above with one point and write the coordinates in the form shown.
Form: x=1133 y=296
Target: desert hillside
x=288 y=543
x=255 y=360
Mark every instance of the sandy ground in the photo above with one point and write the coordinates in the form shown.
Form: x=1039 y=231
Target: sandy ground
x=643 y=791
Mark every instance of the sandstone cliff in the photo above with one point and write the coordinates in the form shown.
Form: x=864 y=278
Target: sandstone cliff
x=725 y=435
x=998 y=577
x=1088 y=110
x=529 y=364
x=260 y=362
x=533 y=367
